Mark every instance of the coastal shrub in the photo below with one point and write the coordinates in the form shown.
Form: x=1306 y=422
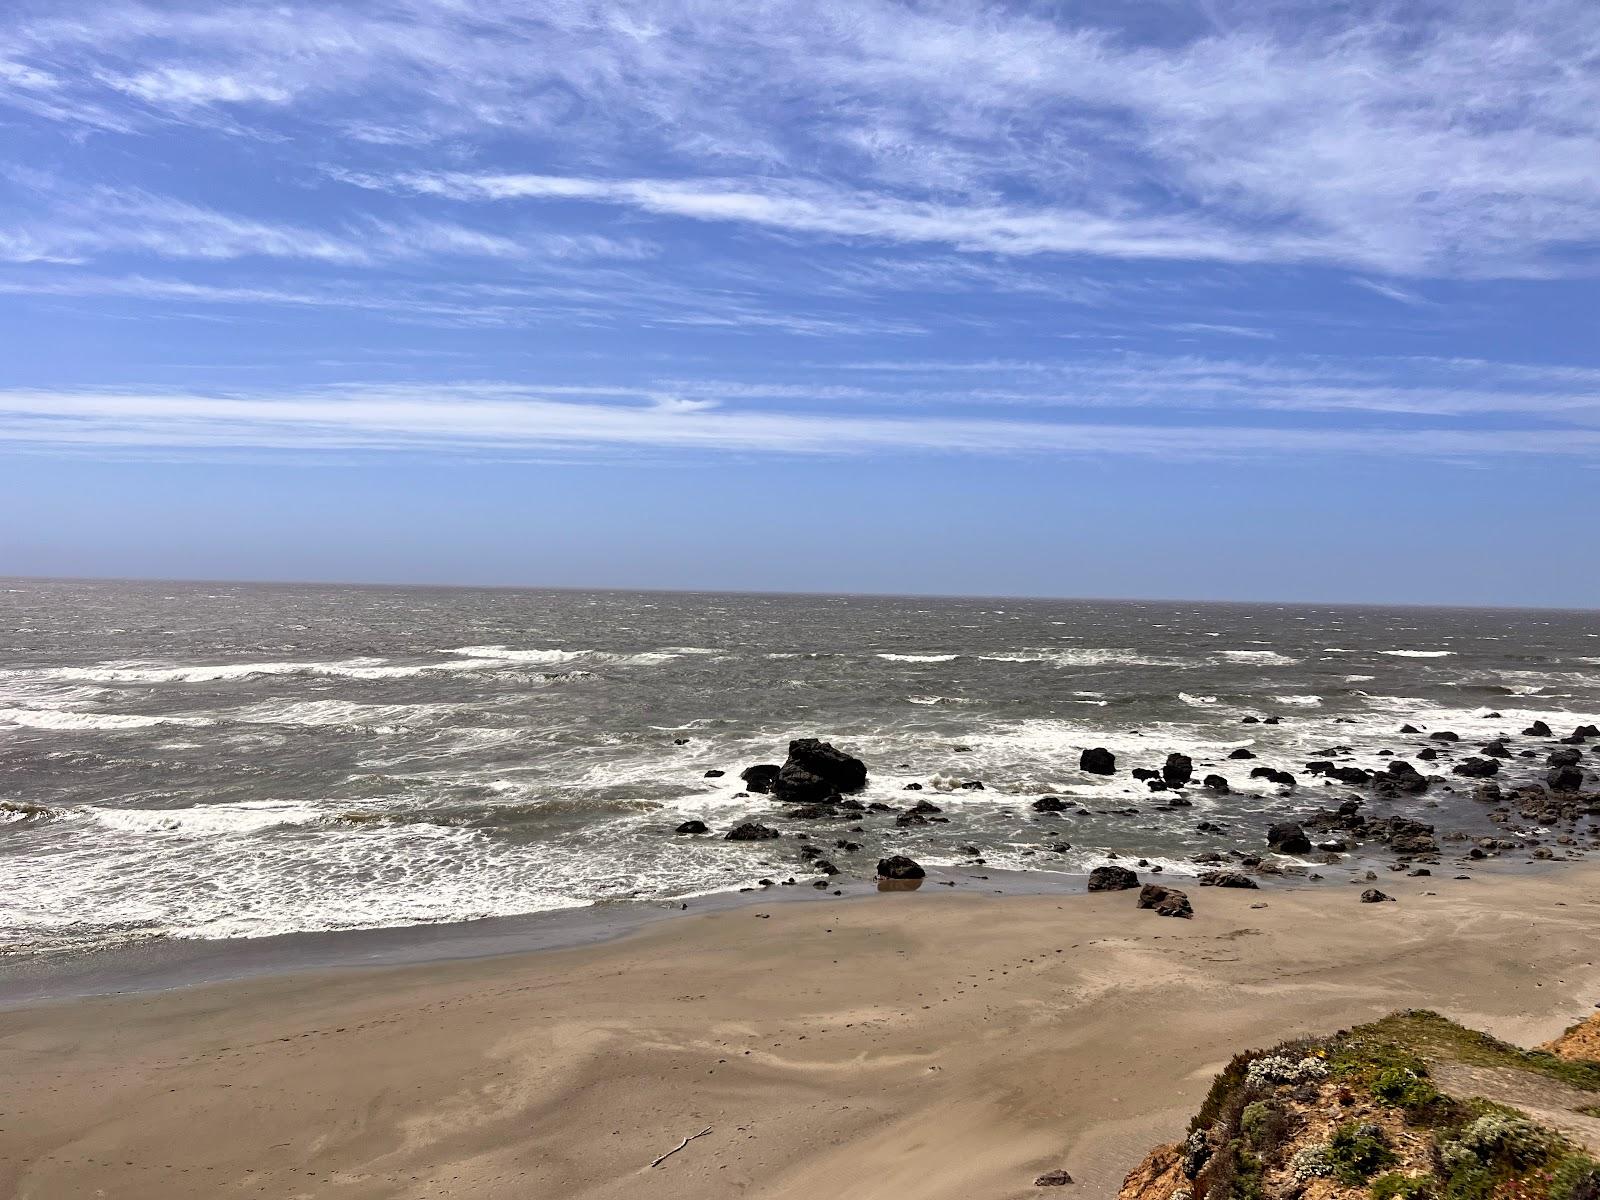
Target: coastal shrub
x=1273 y=1069
x=1313 y=1162
x=1266 y=1126
x=1398 y=1186
x=1358 y=1151
x=1500 y=1138
x=1225 y=1091
x=1575 y=1177
x=1404 y=1088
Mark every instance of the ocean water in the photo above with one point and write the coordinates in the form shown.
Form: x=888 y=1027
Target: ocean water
x=215 y=761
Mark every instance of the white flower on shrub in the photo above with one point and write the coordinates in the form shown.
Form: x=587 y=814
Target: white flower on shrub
x=1274 y=1069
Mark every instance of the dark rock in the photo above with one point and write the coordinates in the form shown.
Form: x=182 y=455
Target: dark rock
x=1444 y=735
x=972 y=785
x=1053 y=1179
x=1156 y=785
x=898 y=866
x=715 y=774
x=1098 y=761
x=910 y=818
x=760 y=777
x=1049 y=804
x=1144 y=773
x=1495 y=749
x=1177 y=770
x=1227 y=879
x=1587 y=731
x=1167 y=902
x=1537 y=729
x=924 y=806
x=1251 y=721
x=912 y=787
x=1564 y=779
x=693 y=827
x=1241 y=752
x=1112 y=879
x=1564 y=758
x=751 y=831
x=1409 y=729
x=1477 y=768
x=1216 y=783
x=816 y=770
x=1427 y=754
x=1272 y=721
x=1374 y=896
x=1288 y=838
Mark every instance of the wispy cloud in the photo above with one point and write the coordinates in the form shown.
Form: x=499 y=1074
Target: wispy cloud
x=1403 y=141
x=453 y=419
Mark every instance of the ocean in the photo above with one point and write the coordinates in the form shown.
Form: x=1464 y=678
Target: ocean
x=213 y=761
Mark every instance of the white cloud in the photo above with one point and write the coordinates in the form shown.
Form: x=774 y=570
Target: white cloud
x=471 y=418
x=1398 y=140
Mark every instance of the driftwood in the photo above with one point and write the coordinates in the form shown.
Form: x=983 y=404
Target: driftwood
x=680 y=1146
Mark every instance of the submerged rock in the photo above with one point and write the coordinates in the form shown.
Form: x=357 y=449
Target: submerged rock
x=751 y=831
x=1177 y=770
x=1288 y=838
x=760 y=777
x=1098 y=761
x=693 y=827
x=1228 y=879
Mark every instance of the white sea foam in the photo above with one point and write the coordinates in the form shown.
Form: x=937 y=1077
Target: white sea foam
x=506 y=654
x=1417 y=653
x=208 y=819
x=1267 y=658
x=1359 y=678
x=57 y=719
x=1299 y=701
x=928 y=658
x=319 y=713
x=1197 y=701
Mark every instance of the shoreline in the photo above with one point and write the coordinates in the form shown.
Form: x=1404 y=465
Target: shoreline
x=949 y=1047
x=158 y=964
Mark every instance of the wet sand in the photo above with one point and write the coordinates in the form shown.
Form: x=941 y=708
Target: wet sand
x=931 y=1044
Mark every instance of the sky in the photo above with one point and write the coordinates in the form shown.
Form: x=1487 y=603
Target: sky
x=1166 y=298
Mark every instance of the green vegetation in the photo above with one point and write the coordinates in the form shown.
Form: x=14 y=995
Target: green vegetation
x=1262 y=1132
x=1358 y=1150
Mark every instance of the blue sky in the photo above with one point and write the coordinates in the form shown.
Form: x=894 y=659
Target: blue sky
x=1192 y=299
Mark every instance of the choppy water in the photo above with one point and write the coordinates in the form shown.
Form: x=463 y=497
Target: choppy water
x=219 y=761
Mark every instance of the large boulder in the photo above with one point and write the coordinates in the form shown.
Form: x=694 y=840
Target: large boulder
x=1216 y=783
x=1565 y=758
x=816 y=770
x=751 y=831
x=1177 y=770
x=1112 y=879
x=1051 y=804
x=1098 y=761
x=760 y=777
x=1165 y=901
x=898 y=866
x=1477 y=768
x=1288 y=838
x=1537 y=729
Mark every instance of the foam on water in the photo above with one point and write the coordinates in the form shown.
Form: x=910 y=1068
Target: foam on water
x=236 y=761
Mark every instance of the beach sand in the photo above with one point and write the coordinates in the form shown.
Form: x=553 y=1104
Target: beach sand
x=936 y=1044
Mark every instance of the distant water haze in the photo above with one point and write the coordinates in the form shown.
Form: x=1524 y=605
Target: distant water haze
x=212 y=761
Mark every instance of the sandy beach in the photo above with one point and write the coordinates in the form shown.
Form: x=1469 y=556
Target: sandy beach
x=933 y=1044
